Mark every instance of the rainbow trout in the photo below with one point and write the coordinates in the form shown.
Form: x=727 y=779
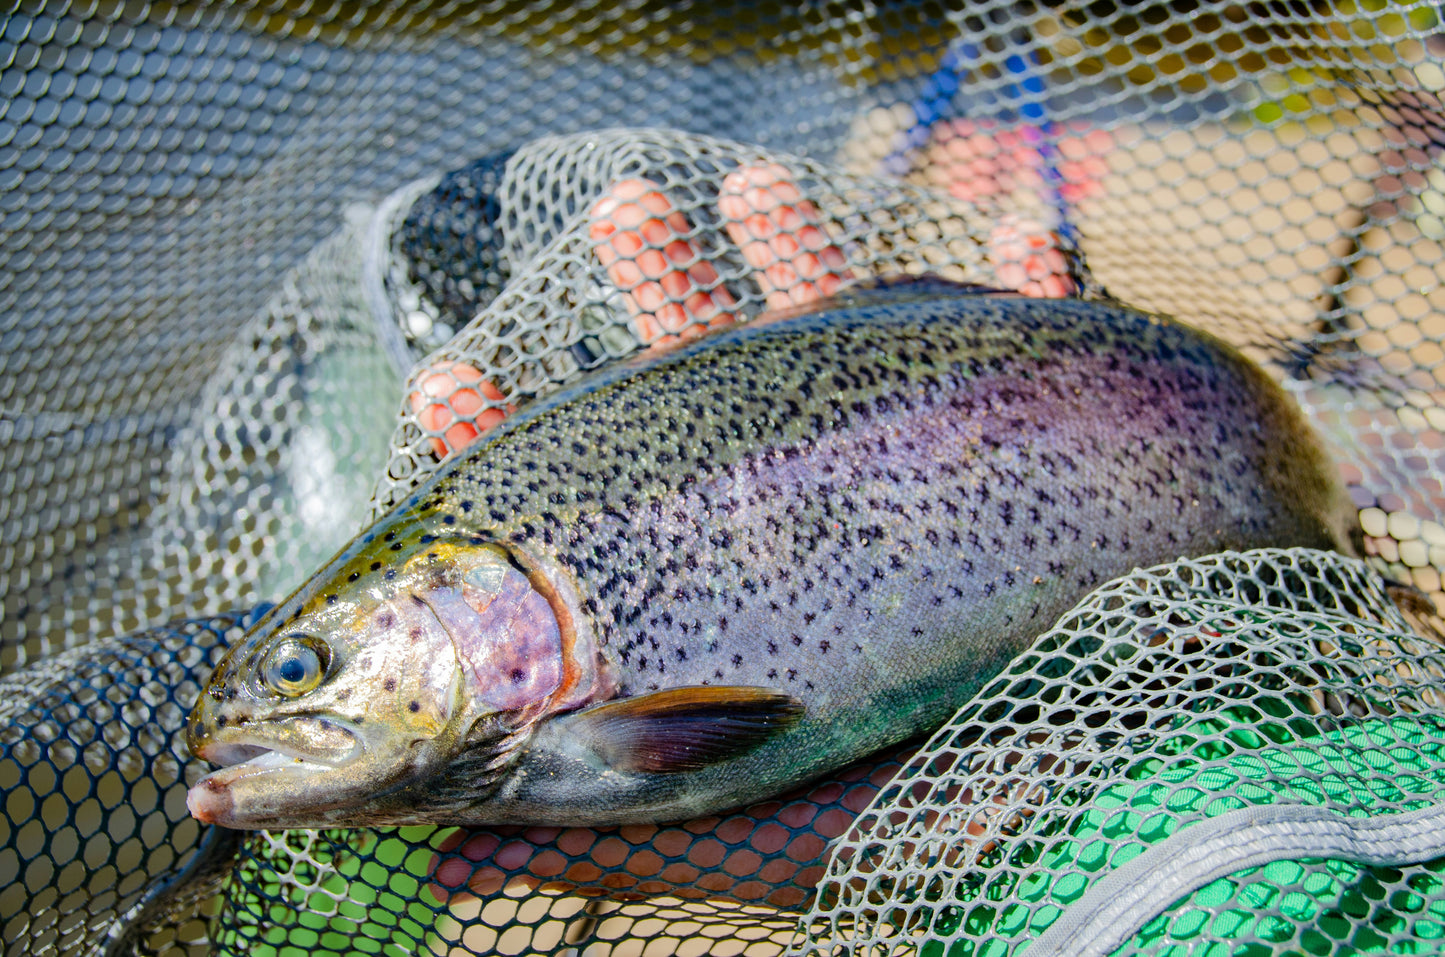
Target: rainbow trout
x=695 y=581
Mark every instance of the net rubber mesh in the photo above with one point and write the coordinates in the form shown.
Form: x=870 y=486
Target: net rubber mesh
x=264 y=264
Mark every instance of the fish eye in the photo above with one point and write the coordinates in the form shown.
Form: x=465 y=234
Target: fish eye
x=296 y=665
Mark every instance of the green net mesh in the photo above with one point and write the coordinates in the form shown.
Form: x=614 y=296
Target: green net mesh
x=263 y=262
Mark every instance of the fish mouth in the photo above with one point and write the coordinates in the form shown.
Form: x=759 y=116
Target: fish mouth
x=258 y=777
x=224 y=755
x=238 y=758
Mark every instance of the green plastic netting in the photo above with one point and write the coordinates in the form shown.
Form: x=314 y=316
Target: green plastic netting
x=259 y=260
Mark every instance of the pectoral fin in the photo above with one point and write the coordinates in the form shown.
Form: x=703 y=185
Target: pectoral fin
x=684 y=729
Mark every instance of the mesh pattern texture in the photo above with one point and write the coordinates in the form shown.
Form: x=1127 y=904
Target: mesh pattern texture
x=1188 y=692
x=264 y=264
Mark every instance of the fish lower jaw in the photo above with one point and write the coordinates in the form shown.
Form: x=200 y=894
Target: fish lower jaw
x=212 y=800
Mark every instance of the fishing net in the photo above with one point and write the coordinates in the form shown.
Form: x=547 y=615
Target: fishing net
x=265 y=263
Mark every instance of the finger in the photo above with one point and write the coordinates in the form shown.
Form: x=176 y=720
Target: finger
x=986 y=164
x=485 y=863
x=774 y=852
x=778 y=232
x=643 y=241
x=453 y=405
x=1083 y=165
x=1028 y=257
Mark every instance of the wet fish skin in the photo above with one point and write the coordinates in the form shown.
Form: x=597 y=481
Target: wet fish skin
x=869 y=508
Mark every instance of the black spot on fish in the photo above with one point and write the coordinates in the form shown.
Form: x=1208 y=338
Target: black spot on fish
x=353 y=576
x=518 y=676
x=385 y=620
x=330 y=599
x=375 y=566
x=389 y=684
x=414 y=707
x=390 y=574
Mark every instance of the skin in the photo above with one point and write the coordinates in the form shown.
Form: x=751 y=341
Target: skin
x=644 y=244
x=772 y=852
x=956 y=471
x=454 y=405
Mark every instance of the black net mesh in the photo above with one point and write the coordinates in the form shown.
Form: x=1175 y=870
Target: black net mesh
x=98 y=843
x=264 y=263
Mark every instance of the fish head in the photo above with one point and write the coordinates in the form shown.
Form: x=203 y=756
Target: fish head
x=339 y=705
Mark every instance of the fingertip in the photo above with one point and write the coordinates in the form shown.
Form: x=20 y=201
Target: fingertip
x=629 y=203
x=489 y=390
x=764 y=174
x=602 y=211
x=450 y=402
x=1057 y=287
x=828 y=285
x=442 y=378
x=631 y=189
x=734 y=183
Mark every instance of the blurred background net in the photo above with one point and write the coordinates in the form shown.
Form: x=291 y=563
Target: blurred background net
x=233 y=234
